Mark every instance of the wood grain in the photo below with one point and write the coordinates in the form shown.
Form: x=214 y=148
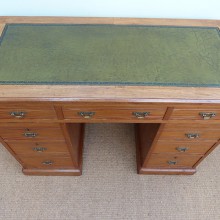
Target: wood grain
x=74 y=134
x=109 y=93
x=101 y=113
x=10 y=151
x=194 y=114
x=37 y=162
x=2 y=25
x=27 y=148
x=16 y=131
x=104 y=20
x=34 y=111
x=204 y=135
x=52 y=172
x=167 y=171
x=207 y=153
x=192 y=147
x=146 y=134
x=182 y=161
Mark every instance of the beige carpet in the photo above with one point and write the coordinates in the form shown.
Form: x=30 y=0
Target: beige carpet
x=110 y=188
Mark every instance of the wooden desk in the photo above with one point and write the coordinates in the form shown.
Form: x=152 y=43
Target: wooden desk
x=57 y=74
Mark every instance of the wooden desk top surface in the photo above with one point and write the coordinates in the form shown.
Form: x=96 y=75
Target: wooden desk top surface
x=107 y=58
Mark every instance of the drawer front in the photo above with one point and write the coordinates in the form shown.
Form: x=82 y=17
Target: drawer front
x=31 y=132
x=38 y=148
x=22 y=112
x=108 y=113
x=183 y=147
x=191 y=135
x=196 y=114
x=47 y=162
x=191 y=126
x=172 y=161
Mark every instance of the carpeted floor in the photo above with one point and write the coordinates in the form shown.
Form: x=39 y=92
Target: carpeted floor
x=109 y=187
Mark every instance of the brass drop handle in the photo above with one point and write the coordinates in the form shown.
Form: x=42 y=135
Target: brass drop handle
x=171 y=162
x=30 y=134
x=182 y=149
x=192 y=135
x=86 y=115
x=39 y=149
x=18 y=114
x=207 y=115
x=47 y=162
x=141 y=114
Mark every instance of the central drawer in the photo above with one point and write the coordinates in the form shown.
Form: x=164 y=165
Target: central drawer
x=117 y=112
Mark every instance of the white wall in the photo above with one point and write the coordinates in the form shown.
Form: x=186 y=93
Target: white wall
x=206 y=9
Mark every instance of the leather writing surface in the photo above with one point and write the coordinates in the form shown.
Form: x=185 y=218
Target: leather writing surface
x=109 y=54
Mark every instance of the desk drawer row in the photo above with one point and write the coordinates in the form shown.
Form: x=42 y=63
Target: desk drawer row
x=86 y=112
x=51 y=145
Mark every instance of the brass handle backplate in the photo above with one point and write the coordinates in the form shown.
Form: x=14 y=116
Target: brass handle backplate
x=18 y=114
x=141 y=114
x=207 y=115
x=171 y=162
x=30 y=134
x=86 y=114
x=39 y=149
x=47 y=162
x=182 y=149
x=192 y=135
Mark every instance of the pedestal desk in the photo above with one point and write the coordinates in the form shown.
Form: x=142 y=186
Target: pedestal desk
x=59 y=73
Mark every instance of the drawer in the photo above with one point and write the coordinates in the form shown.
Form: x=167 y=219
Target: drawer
x=183 y=147
x=172 y=160
x=38 y=148
x=198 y=127
x=22 y=111
x=191 y=135
x=196 y=113
x=47 y=162
x=98 y=113
x=18 y=131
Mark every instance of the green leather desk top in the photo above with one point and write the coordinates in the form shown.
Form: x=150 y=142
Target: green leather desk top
x=110 y=55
